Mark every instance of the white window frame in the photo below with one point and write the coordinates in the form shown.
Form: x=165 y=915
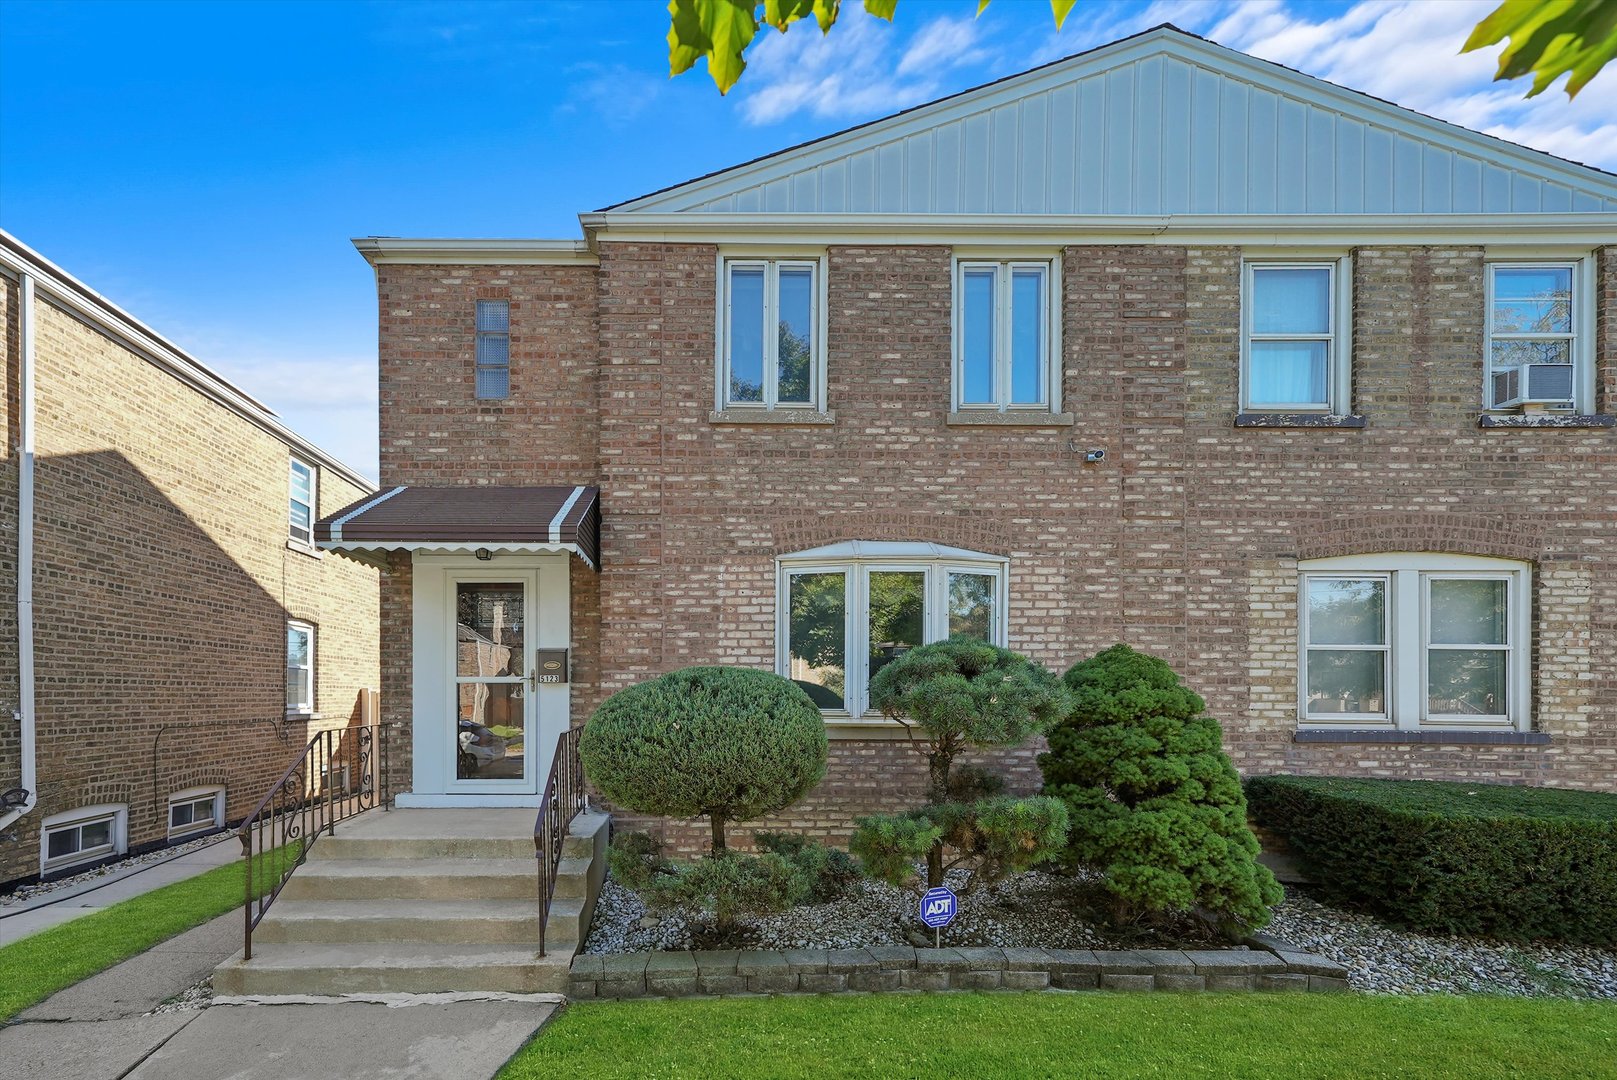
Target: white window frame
x=1408 y=577
x=1581 y=336
x=1339 y=341
x=771 y=266
x=478 y=334
x=292 y=466
x=117 y=814
x=305 y=708
x=855 y=559
x=213 y=795
x=1049 y=342
x=1385 y=649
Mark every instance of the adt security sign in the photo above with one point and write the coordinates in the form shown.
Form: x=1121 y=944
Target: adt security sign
x=938 y=908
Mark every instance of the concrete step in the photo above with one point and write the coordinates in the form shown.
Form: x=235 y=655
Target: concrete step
x=374 y=846
x=391 y=967
x=509 y=922
x=572 y=877
x=566 y=928
x=580 y=841
x=414 y=879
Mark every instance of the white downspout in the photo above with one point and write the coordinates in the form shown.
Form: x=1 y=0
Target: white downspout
x=25 y=558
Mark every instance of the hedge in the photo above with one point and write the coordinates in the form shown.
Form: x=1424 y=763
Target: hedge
x=1517 y=863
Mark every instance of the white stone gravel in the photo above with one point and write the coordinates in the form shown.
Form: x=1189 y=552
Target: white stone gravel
x=1383 y=959
x=28 y=892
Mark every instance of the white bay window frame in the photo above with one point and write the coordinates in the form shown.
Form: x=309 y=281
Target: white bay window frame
x=1582 y=334
x=771 y=266
x=1338 y=339
x=856 y=561
x=1004 y=328
x=1409 y=639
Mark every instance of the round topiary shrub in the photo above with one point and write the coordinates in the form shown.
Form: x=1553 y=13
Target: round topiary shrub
x=1156 y=805
x=730 y=744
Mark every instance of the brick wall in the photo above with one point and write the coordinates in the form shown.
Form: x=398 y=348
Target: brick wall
x=1184 y=541
x=10 y=736
x=163 y=582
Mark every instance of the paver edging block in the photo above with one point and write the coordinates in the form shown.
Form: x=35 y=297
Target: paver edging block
x=1261 y=964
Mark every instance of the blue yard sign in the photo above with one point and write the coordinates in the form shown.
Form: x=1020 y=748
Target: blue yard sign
x=938 y=908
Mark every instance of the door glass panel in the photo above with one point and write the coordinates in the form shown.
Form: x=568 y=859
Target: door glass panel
x=971 y=605
x=1347 y=681
x=817 y=636
x=1347 y=611
x=488 y=631
x=897 y=614
x=1465 y=682
x=1468 y=612
x=490 y=732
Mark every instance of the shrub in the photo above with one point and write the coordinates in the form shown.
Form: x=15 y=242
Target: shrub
x=724 y=885
x=1156 y=805
x=731 y=744
x=828 y=872
x=968 y=783
x=1512 y=862
x=996 y=837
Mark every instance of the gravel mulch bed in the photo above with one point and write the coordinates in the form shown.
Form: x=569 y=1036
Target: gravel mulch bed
x=1040 y=910
x=28 y=892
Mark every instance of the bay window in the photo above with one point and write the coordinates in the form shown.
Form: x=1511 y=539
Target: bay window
x=1416 y=640
x=846 y=611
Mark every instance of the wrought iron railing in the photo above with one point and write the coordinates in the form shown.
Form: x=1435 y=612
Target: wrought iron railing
x=339 y=774
x=562 y=801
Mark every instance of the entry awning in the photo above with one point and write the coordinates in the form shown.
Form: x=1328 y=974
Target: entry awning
x=460 y=520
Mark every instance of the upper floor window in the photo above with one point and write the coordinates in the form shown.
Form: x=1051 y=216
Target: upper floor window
x=493 y=348
x=1414 y=640
x=771 y=352
x=1295 y=355
x=847 y=610
x=1004 y=344
x=299 y=667
x=303 y=479
x=1536 y=338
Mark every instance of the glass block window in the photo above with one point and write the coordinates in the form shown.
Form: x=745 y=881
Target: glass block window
x=493 y=349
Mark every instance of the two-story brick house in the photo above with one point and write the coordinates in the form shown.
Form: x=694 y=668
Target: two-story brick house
x=1309 y=394
x=170 y=637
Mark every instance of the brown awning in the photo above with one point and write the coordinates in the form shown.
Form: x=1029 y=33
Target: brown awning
x=463 y=519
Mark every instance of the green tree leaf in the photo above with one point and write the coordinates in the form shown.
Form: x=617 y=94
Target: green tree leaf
x=1549 y=38
x=721 y=30
x=882 y=9
x=1061 y=9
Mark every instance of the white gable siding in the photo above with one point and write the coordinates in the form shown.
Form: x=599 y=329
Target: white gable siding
x=1164 y=126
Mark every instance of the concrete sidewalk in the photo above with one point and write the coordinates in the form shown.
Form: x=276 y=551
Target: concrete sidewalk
x=103 y=1028
x=52 y=909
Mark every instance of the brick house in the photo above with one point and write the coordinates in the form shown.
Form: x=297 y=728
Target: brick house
x=186 y=635
x=1307 y=393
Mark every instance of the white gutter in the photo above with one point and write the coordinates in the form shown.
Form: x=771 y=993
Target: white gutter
x=25 y=557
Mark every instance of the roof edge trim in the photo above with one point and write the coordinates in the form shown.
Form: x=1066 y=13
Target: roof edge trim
x=427 y=251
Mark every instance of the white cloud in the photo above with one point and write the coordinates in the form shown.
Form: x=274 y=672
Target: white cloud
x=612 y=93
x=331 y=401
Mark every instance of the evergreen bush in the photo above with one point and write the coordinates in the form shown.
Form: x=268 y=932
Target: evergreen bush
x=1156 y=805
x=730 y=744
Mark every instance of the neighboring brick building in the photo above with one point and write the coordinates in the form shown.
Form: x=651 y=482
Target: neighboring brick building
x=168 y=585
x=1159 y=344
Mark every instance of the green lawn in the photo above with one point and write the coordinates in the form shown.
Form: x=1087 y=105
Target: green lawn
x=1296 y=1036
x=37 y=966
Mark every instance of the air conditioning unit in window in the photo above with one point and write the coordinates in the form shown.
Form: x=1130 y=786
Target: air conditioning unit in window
x=1549 y=385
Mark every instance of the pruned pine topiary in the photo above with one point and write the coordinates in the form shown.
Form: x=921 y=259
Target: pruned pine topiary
x=725 y=743
x=994 y=837
x=1156 y=805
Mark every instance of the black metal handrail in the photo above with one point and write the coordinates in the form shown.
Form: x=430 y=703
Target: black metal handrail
x=339 y=774
x=562 y=801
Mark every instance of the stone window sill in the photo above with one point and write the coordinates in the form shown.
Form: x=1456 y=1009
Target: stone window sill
x=1299 y=420
x=304 y=549
x=1429 y=737
x=989 y=418
x=773 y=417
x=1546 y=420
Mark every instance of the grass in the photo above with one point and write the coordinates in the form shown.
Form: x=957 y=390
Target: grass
x=1298 y=1036
x=39 y=965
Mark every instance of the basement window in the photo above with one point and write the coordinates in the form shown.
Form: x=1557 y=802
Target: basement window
x=88 y=834
x=195 y=810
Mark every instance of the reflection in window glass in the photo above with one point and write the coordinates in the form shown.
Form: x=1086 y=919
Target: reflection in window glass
x=488 y=632
x=971 y=605
x=1347 y=611
x=816 y=636
x=1351 y=615
x=977 y=332
x=897 y=614
x=1344 y=681
x=795 y=336
x=1467 y=681
x=1532 y=300
x=1468 y=612
x=746 y=334
x=489 y=731
x=1027 y=336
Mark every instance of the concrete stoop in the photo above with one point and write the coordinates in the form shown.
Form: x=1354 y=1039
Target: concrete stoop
x=423 y=901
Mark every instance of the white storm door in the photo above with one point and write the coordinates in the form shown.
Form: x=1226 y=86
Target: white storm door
x=491 y=735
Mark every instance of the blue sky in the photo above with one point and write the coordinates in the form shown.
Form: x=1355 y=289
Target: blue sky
x=204 y=165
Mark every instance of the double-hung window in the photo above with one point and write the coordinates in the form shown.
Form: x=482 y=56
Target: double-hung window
x=771 y=352
x=299 y=667
x=1536 y=336
x=1005 y=348
x=1416 y=640
x=302 y=482
x=1295 y=353
x=493 y=349
x=846 y=611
